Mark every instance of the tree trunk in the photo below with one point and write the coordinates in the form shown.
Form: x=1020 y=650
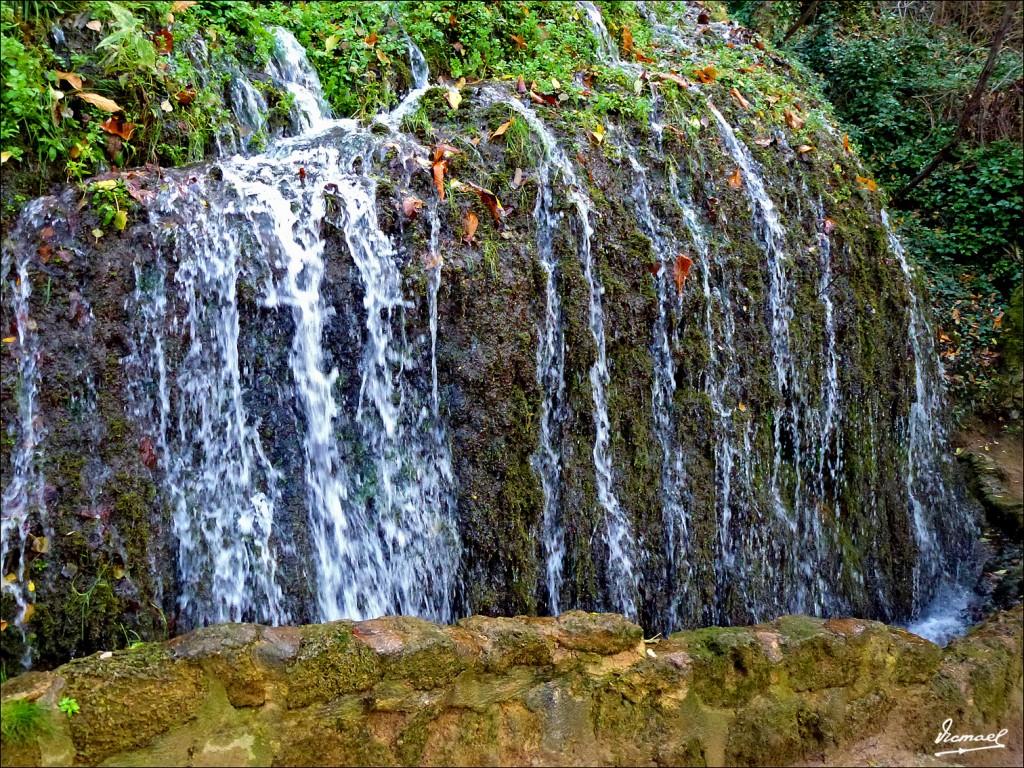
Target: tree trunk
x=808 y=12
x=972 y=103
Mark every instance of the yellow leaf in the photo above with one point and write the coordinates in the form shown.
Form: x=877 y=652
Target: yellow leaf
x=107 y=105
x=868 y=184
x=31 y=586
x=120 y=220
x=10 y=578
x=597 y=134
x=4 y=157
x=165 y=105
x=9 y=340
x=382 y=57
x=502 y=128
x=29 y=610
x=743 y=408
x=454 y=98
x=105 y=184
x=555 y=84
x=118 y=572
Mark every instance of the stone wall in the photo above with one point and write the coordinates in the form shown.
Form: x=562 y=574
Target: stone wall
x=584 y=689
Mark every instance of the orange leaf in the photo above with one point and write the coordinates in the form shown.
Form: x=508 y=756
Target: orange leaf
x=182 y=5
x=682 y=270
x=627 y=40
x=117 y=125
x=490 y=200
x=502 y=128
x=439 y=168
x=739 y=98
x=707 y=74
x=371 y=40
x=472 y=222
x=765 y=142
x=682 y=82
x=520 y=42
x=793 y=120
x=803 y=149
x=75 y=81
x=846 y=144
x=868 y=184
x=736 y=180
x=185 y=97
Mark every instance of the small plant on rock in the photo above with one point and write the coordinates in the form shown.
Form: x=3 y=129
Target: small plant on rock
x=68 y=706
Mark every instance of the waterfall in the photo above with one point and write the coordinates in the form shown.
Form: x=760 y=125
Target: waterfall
x=289 y=65
x=607 y=50
x=622 y=581
x=673 y=474
x=927 y=494
x=24 y=497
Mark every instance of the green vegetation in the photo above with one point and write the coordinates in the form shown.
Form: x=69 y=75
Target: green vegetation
x=68 y=706
x=21 y=720
x=899 y=81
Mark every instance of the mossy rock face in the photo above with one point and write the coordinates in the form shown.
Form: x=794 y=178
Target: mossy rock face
x=602 y=633
x=728 y=665
x=331 y=661
x=415 y=650
x=510 y=643
x=128 y=698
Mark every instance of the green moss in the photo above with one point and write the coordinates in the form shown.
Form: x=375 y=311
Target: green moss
x=331 y=662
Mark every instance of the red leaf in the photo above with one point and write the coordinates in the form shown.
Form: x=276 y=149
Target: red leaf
x=490 y=200
x=655 y=268
x=703 y=18
x=682 y=270
x=163 y=40
x=185 y=97
x=117 y=125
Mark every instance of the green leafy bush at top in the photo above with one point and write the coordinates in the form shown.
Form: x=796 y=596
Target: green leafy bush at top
x=21 y=720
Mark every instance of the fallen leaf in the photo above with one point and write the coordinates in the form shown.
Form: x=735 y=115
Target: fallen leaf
x=597 y=135
x=520 y=85
x=433 y=260
x=40 y=544
x=118 y=572
x=536 y=98
x=120 y=220
x=117 y=125
x=472 y=222
x=107 y=105
x=382 y=57
x=627 y=40
x=475 y=141
x=682 y=270
x=180 y=6
x=4 y=157
x=803 y=149
x=459 y=48
x=165 y=105
x=454 y=98
x=672 y=77
x=736 y=180
x=185 y=97
x=106 y=184
x=707 y=74
x=555 y=84
x=147 y=453
x=438 y=170
x=742 y=407
x=3 y=625
x=655 y=268
x=829 y=226
x=75 y=81
x=371 y=39
x=30 y=609
x=846 y=144
x=163 y=40
x=31 y=586
x=490 y=200
x=500 y=131
x=739 y=98
x=759 y=44
x=95 y=25
x=703 y=18
x=9 y=340
x=411 y=206
x=765 y=142
x=793 y=120
x=517 y=182
x=868 y=184
x=520 y=42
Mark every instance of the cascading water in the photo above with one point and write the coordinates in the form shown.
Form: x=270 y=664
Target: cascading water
x=381 y=527
x=927 y=494
x=24 y=497
x=622 y=581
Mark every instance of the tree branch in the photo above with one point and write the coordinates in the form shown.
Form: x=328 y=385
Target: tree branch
x=972 y=103
x=808 y=12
